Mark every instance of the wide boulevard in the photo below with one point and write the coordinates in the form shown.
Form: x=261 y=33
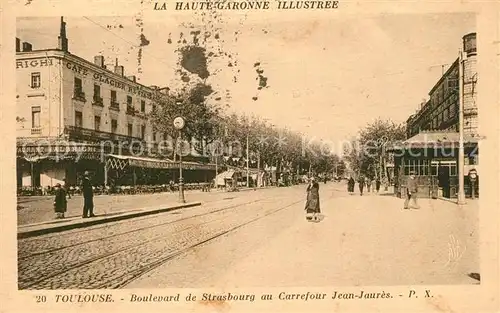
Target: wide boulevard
x=261 y=238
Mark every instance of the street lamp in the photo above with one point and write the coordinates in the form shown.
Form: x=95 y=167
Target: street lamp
x=179 y=125
x=461 y=154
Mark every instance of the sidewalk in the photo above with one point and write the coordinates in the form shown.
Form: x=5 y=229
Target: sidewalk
x=58 y=225
x=41 y=210
x=38 y=209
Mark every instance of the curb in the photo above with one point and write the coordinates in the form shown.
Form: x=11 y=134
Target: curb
x=39 y=229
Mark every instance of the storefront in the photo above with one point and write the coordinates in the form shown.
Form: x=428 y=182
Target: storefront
x=433 y=158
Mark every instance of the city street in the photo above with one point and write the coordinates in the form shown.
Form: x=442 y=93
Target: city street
x=261 y=238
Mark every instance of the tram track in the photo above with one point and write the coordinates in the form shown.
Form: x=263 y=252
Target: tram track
x=24 y=257
x=27 y=281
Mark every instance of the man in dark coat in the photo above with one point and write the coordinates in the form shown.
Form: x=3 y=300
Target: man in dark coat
x=88 y=196
x=60 y=202
x=377 y=185
x=411 y=192
x=350 y=185
x=361 y=184
x=312 y=203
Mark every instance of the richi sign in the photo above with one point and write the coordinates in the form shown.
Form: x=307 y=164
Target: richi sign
x=470 y=44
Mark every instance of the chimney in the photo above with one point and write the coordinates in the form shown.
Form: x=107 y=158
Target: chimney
x=63 y=41
x=99 y=61
x=18 y=45
x=132 y=78
x=118 y=68
x=27 y=47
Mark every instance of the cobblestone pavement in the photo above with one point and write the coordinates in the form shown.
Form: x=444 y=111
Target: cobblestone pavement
x=40 y=209
x=361 y=241
x=111 y=255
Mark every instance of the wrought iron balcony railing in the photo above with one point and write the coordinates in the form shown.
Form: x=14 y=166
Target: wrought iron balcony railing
x=79 y=95
x=97 y=101
x=114 y=106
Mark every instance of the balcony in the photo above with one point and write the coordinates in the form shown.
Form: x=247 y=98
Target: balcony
x=470 y=111
x=130 y=110
x=97 y=101
x=79 y=96
x=36 y=131
x=114 y=106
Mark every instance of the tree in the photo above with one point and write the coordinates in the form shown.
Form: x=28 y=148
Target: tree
x=367 y=155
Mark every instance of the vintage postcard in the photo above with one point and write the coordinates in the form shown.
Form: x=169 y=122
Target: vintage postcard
x=247 y=156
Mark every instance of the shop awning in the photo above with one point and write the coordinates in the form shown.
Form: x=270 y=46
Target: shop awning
x=426 y=140
x=120 y=161
x=243 y=170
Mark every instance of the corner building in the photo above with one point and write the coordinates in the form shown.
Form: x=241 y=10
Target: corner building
x=431 y=148
x=67 y=106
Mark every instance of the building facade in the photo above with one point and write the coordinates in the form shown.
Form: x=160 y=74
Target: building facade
x=431 y=148
x=73 y=115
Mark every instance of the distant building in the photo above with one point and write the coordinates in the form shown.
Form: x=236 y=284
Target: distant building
x=67 y=106
x=431 y=148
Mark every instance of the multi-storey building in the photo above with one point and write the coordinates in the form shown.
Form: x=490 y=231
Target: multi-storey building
x=441 y=111
x=67 y=106
x=431 y=148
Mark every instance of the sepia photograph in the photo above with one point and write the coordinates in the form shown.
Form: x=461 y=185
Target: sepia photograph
x=196 y=152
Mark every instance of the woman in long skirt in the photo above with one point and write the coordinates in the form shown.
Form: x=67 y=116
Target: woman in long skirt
x=312 y=203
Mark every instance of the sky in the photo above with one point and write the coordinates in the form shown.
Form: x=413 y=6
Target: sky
x=327 y=78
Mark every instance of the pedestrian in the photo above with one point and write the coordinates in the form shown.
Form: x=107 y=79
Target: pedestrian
x=411 y=192
x=377 y=184
x=88 y=196
x=312 y=204
x=350 y=185
x=66 y=188
x=368 y=184
x=361 y=184
x=60 y=202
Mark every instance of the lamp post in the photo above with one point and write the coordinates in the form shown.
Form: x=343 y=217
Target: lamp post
x=461 y=193
x=179 y=125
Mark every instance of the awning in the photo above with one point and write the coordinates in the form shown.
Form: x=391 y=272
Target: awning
x=243 y=170
x=120 y=161
x=435 y=140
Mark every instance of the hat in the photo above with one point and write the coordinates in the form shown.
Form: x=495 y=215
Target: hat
x=58 y=185
x=86 y=173
x=412 y=172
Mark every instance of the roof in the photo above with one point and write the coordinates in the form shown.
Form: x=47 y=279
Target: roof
x=434 y=139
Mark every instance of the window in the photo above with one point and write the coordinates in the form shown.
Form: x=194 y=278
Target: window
x=129 y=100
x=143 y=131
x=419 y=167
x=36 y=80
x=154 y=107
x=113 y=97
x=143 y=106
x=154 y=136
x=453 y=170
x=97 y=123
x=114 y=126
x=35 y=117
x=78 y=119
x=97 y=91
x=78 y=86
x=130 y=130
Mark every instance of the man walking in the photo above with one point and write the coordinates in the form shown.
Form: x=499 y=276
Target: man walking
x=88 y=196
x=361 y=184
x=411 y=192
